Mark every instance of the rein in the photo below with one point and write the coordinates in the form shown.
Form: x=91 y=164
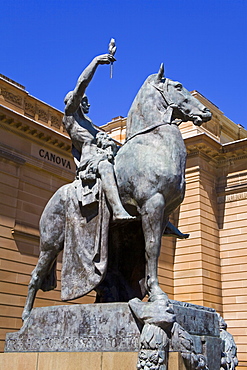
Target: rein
x=147 y=129
x=170 y=105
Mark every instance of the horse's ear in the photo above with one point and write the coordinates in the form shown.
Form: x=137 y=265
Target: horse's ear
x=160 y=74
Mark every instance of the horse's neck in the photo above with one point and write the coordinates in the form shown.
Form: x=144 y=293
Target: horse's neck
x=146 y=113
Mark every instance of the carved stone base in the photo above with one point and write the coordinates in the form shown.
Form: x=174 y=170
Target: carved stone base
x=109 y=327
x=85 y=328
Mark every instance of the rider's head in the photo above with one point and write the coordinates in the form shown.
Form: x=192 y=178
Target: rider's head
x=85 y=104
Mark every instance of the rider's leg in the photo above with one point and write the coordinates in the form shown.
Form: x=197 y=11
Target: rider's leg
x=109 y=185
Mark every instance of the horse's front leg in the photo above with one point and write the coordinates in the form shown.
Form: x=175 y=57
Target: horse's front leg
x=153 y=224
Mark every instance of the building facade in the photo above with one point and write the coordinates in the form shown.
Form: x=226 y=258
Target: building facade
x=209 y=268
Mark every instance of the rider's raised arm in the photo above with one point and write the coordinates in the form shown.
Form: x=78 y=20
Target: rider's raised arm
x=86 y=76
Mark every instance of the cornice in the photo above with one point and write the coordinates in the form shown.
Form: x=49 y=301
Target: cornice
x=115 y=123
x=215 y=151
x=11 y=82
x=237 y=188
x=16 y=94
x=11 y=157
x=30 y=127
x=235 y=145
x=225 y=127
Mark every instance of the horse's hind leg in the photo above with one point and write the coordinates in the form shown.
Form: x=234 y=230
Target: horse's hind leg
x=45 y=263
x=152 y=224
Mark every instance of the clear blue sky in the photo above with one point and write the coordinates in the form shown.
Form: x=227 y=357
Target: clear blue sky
x=46 y=44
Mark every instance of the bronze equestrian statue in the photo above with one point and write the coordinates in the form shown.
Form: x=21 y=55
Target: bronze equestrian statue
x=111 y=219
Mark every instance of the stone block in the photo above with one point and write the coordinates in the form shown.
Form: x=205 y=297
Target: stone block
x=119 y=360
x=197 y=320
x=69 y=360
x=79 y=361
x=211 y=347
x=16 y=361
x=175 y=361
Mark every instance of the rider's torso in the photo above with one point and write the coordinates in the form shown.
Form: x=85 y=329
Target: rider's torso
x=80 y=129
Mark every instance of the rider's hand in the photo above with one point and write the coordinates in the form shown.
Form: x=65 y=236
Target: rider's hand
x=105 y=59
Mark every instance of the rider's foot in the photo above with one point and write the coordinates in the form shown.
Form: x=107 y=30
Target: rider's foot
x=122 y=217
x=171 y=230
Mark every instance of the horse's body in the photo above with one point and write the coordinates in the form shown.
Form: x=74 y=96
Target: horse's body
x=152 y=163
x=150 y=170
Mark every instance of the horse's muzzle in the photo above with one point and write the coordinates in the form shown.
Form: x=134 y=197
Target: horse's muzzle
x=205 y=116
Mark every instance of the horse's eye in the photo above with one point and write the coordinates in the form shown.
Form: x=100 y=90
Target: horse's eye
x=179 y=87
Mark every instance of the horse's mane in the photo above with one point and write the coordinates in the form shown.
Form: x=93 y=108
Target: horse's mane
x=147 y=108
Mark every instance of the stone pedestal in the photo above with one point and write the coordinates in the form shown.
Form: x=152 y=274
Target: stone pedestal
x=83 y=328
x=109 y=327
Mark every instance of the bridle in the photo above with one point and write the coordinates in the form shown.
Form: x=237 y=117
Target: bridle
x=164 y=94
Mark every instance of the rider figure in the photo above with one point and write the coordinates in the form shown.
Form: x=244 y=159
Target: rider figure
x=93 y=150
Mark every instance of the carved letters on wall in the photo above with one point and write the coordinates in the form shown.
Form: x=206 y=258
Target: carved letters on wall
x=71 y=343
x=44 y=154
x=232 y=197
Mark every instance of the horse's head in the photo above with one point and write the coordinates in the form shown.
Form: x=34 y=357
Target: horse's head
x=185 y=106
x=161 y=100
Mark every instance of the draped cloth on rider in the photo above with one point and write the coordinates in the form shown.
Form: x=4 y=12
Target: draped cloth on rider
x=85 y=247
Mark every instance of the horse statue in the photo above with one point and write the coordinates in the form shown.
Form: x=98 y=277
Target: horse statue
x=150 y=173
